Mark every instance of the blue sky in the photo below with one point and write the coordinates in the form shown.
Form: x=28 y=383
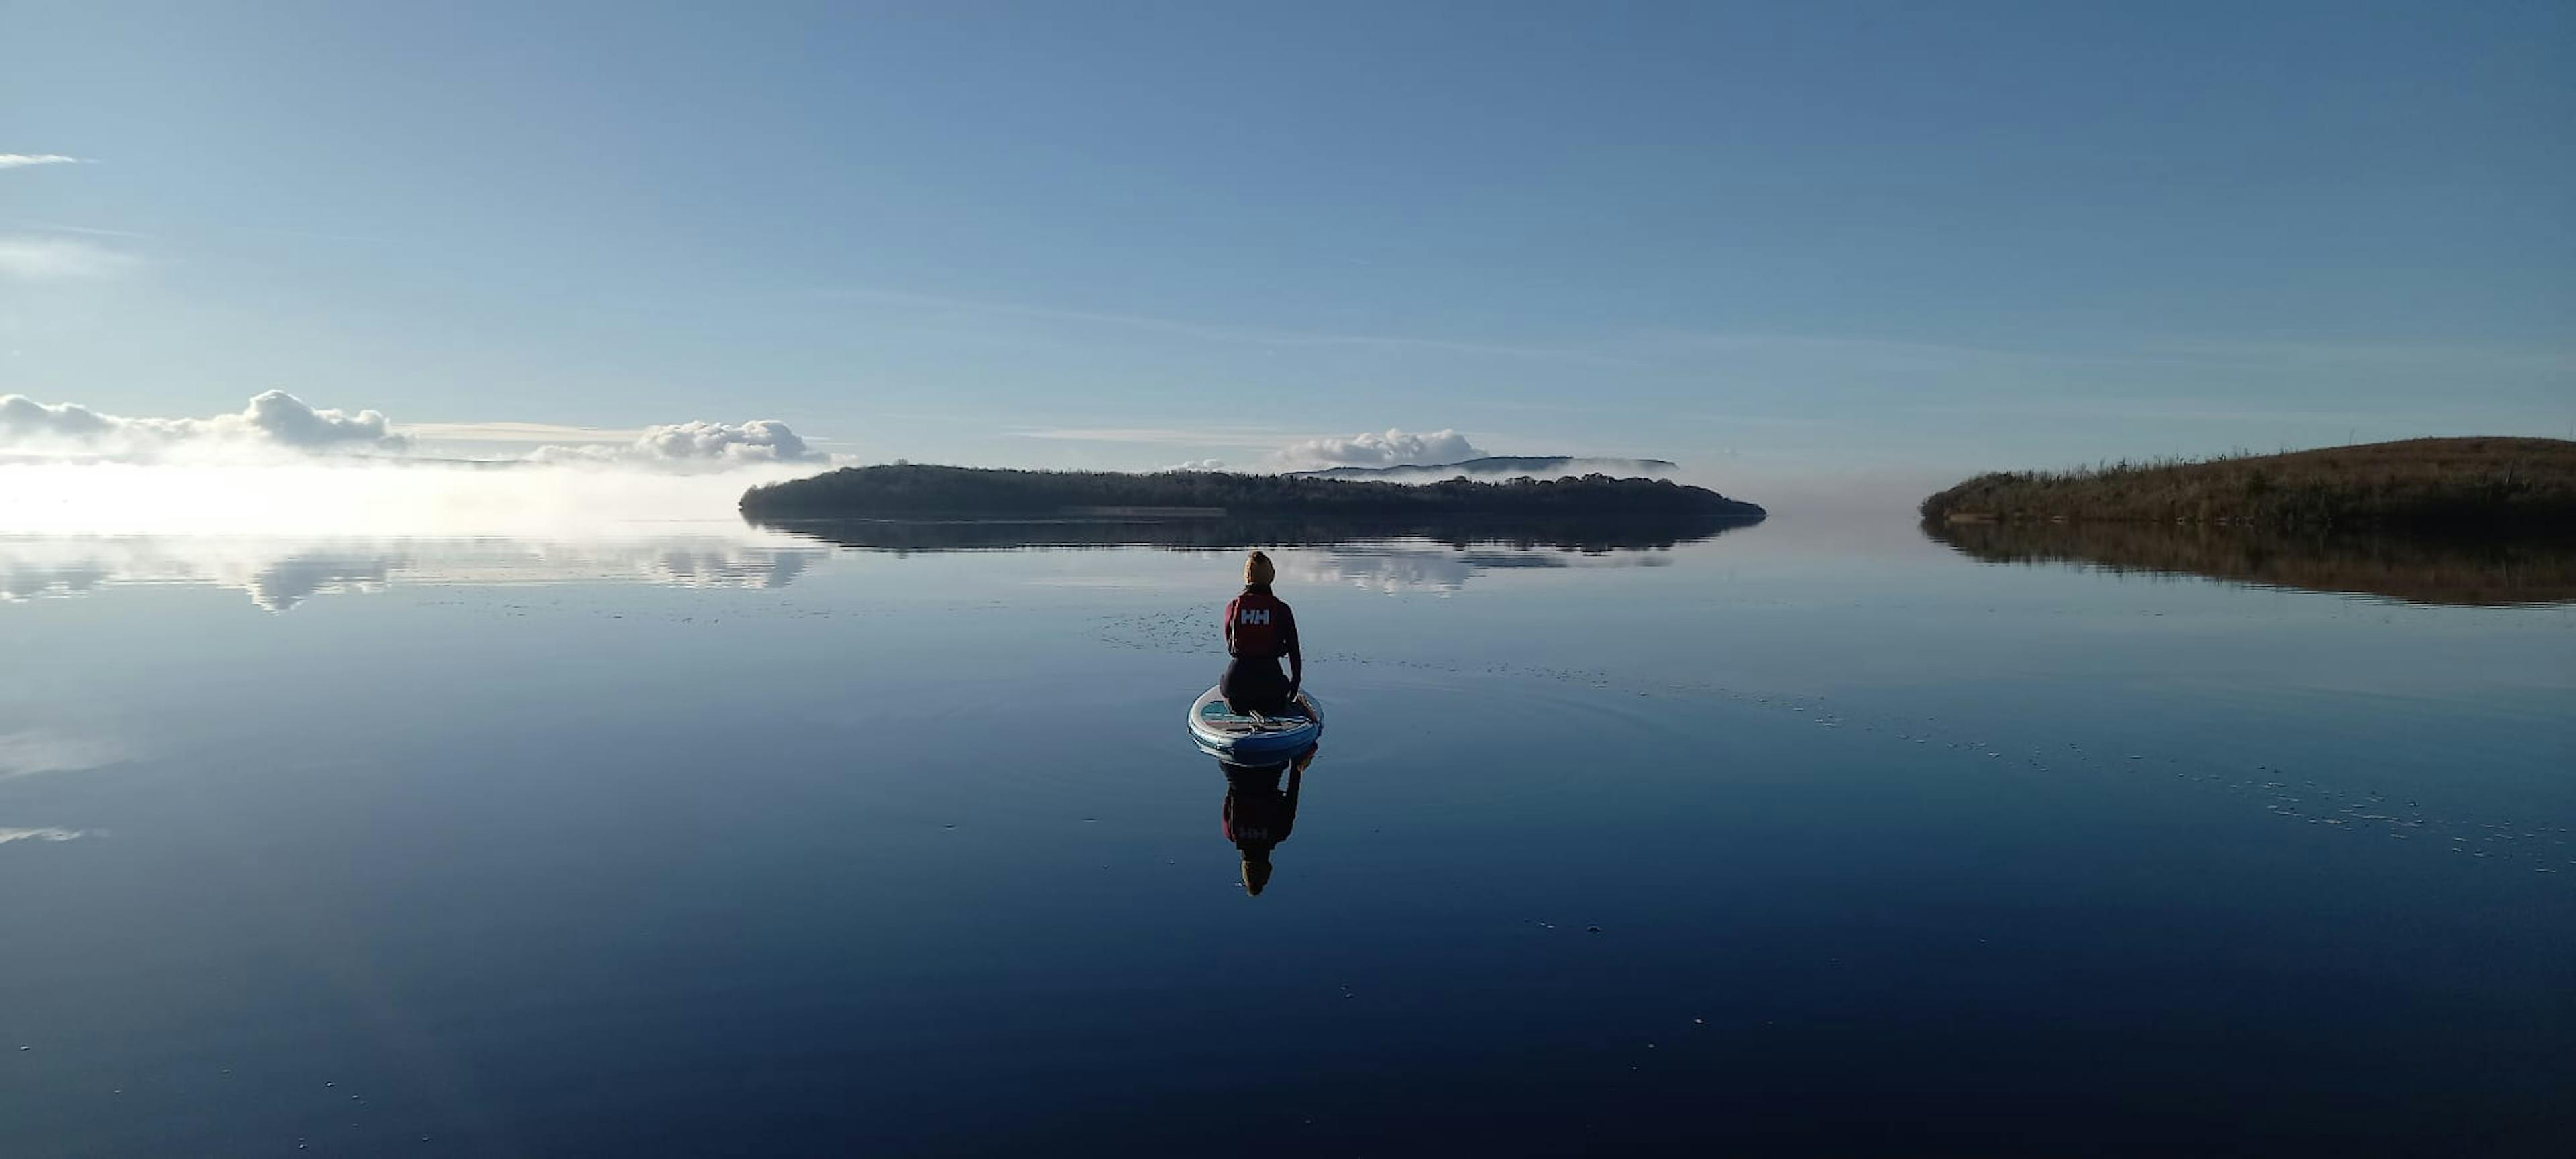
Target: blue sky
x=1787 y=240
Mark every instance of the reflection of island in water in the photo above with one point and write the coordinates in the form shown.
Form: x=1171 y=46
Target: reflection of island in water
x=1184 y=533
x=2481 y=572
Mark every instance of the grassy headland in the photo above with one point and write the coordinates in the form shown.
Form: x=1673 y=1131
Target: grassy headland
x=916 y=492
x=2483 y=485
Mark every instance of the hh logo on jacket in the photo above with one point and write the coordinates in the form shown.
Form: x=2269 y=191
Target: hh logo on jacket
x=1259 y=616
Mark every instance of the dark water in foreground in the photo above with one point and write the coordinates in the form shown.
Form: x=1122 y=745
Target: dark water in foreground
x=1794 y=839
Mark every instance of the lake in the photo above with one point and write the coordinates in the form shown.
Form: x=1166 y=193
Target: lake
x=1812 y=836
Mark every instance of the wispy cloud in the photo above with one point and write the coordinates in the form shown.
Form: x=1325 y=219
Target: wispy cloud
x=2202 y=409
x=1253 y=437
x=1859 y=350
x=27 y=754
x=2413 y=356
x=89 y=230
x=38 y=259
x=23 y=160
x=1229 y=334
x=1856 y=351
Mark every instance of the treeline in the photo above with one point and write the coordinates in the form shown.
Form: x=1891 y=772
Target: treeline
x=918 y=492
x=2484 y=485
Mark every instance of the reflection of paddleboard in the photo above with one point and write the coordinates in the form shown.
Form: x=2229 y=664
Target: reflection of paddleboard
x=1254 y=740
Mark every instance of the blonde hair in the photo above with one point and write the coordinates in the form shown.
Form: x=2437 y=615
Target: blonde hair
x=1257 y=569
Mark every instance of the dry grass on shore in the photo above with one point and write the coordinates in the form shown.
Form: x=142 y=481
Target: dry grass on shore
x=2498 y=484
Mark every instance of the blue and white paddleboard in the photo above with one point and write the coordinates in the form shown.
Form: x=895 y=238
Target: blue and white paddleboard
x=1254 y=740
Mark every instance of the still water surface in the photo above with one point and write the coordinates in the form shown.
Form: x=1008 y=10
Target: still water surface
x=1797 y=838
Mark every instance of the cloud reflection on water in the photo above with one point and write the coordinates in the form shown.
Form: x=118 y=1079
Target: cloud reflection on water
x=1394 y=568
x=278 y=574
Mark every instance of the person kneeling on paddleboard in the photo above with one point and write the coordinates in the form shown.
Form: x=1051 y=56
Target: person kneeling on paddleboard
x=1259 y=629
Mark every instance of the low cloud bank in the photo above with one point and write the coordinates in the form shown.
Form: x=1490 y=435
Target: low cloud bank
x=274 y=420
x=277 y=427
x=1391 y=448
x=280 y=466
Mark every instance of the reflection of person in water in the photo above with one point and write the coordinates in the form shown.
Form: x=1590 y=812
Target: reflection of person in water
x=1259 y=629
x=1258 y=813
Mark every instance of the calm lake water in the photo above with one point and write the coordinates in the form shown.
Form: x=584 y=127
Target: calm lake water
x=1804 y=837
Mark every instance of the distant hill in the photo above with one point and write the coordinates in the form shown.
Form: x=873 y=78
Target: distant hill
x=2486 y=485
x=1501 y=467
x=947 y=493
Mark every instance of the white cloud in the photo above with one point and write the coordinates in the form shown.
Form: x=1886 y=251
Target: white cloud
x=35 y=259
x=286 y=420
x=694 y=444
x=23 y=160
x=272 y=421
x=22 y=417
x=1392 y=448
x=757 y=441
x=48 y=833
x=1198 y=465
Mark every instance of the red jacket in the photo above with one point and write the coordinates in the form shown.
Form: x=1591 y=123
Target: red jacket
x=1259 y=626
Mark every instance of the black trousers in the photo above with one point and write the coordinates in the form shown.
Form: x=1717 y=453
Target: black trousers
x=1254 y=685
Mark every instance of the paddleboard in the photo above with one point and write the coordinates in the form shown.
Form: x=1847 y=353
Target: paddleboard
x=1254 y=740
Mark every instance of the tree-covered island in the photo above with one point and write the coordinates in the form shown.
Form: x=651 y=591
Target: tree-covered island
x=905 y=491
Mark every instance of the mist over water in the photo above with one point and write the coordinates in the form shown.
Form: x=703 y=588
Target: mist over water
x=389 y=499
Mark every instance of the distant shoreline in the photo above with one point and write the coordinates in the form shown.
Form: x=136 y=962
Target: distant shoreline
x=2485 y=486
